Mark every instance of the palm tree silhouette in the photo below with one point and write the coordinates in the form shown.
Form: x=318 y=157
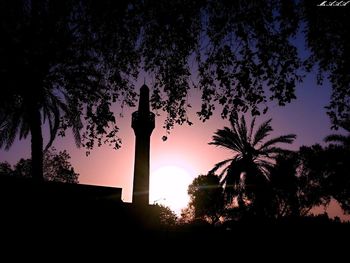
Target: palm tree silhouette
x=245 y=174
x=37 y=42
x=23 y=111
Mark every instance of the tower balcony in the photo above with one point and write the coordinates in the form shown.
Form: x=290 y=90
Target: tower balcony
x=144 y=121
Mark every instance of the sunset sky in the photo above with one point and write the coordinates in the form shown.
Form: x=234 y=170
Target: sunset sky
x=186 y=152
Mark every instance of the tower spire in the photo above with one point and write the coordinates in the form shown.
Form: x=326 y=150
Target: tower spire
x=143 y=124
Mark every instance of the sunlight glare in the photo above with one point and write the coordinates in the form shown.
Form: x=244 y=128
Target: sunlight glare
x=168 y=186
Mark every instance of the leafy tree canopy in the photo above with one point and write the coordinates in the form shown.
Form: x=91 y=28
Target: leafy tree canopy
x=5 y=169
x=311 y=177
x=240 y=54
x=337 y=171
x=167 y=217
x=57 y=167
x=207 y=198
x=298 y=182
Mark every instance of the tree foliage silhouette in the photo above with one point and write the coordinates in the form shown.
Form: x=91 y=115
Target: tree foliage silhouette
x=167 y=217
x=326 y=32
x=207 y=197
x=285 y=185
x=241 y=50
x=298 y=183
x=336 y=172
x=343 y=140
x=187 y=215
x=26 y=115
x=245 y=175
x=72 y=59
x=36 y=41
x=5 y=169
x=311 y=177
x=57 y=168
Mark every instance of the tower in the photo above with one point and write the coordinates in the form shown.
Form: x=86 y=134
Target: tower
x=143 y=125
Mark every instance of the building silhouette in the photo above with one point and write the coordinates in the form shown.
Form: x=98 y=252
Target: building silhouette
x=101 y=208
x=143 y=124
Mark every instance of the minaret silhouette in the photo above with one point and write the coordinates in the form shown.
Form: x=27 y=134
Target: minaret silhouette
x=143 y=125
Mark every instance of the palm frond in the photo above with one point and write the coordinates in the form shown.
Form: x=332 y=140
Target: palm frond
x=233 y=173
x=3 y=134
x=220 y=165
x=15 y=125
x=265 y=171
x=289 y=138
x=76 y=130
x=262 y=132
x=226 y=138
x=54 y=122
x=11 y=134
x=242 y=129
x=234 y=125
x=223 y=175
x=252 y=124
x=24 y=129
x=252 y=155
x=265 y=167
x=75 y=121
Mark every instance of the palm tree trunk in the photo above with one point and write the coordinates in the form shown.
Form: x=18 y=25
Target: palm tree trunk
x=36 y=144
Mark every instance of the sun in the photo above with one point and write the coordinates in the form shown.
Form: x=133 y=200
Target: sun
x=168 y=186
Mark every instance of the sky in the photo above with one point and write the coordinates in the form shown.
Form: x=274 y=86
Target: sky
x=186 y=154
